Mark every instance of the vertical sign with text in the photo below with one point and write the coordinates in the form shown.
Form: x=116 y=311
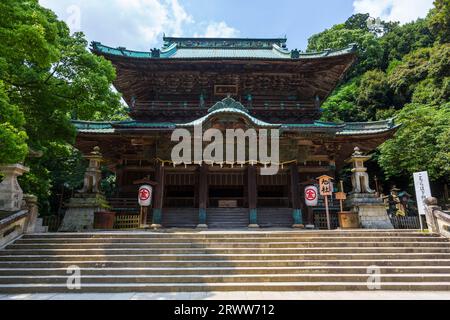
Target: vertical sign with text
x=423 y=191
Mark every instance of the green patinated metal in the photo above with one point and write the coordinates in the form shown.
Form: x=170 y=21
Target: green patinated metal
x=201 y=216
x=157 y=216
x=297 y=215
x=253 y=216
x=220 y=48
x=229 y=106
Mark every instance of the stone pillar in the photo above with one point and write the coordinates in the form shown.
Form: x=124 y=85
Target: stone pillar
x=431 y=205
x=159 y=197
x=202 y=196
x=32 y=204
x=295 y=197
x=252 y=196
x=11 y=195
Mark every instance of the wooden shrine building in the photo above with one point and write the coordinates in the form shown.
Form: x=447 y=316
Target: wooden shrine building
x=226 y=83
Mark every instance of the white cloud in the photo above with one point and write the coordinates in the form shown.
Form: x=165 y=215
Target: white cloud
x=394 y=10
x=136 y=24
x=219 y=30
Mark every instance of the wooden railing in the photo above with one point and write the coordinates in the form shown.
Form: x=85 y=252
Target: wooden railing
x=124 y=204
x=254 y=105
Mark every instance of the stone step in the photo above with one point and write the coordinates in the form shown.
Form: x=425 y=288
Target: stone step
x=235 y=234
x=327 y=270
x=220 y=257
x=103 y=250
x=241 y=240
x=240 y=245
x=261 y=260
x=223 y=263
x=193 y=279
x=236 y=286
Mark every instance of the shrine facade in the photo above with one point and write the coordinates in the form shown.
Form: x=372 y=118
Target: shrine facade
x=226 y=84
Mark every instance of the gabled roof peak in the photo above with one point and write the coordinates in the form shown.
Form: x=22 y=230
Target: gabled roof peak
x=229 y=103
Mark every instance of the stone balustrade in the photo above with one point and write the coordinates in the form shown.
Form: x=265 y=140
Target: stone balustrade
x=438 y=220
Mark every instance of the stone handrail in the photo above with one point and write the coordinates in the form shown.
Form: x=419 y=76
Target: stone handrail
x=20 y=222
x=438 y=220
x=13 y=226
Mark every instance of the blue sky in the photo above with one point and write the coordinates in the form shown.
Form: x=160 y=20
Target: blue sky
x=139 y=24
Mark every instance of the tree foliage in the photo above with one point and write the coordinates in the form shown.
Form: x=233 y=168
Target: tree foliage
x=409 y=81
x=47 y=77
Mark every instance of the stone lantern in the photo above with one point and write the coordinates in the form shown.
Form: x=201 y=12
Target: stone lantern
x=11 y=195
x=363 y=200
x=360 y=177
x=87 y=201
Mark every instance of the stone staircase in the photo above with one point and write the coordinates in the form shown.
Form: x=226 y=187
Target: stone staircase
x=226 y=261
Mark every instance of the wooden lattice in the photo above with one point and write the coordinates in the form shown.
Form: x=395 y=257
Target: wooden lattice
x=320 y=220
x=126 y=222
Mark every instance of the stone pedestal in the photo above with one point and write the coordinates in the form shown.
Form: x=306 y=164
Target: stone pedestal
x=371 y=210
x=80 y=212
x=11 y=195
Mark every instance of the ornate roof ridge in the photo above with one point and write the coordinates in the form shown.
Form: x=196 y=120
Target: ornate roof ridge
x=235 y=43
x=228 y=103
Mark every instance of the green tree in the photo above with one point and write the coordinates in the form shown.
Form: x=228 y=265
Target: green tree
x=422 y=143
x=439 y=20
x=47 y=77
x=422 y=76
x=13 y=147
x=403 y=39
x=370 y=51
x=373 y=93
x=341 y=106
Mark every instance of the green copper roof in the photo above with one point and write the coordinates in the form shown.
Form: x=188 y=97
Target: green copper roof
x=110 y=127
x=217 y=48
x=229 y=106
x=364 y=128
x=93 y=127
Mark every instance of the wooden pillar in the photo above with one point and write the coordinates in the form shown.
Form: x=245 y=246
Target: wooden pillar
x=295 y=197
x=202 y=195
x=252 y=196
x=159 y=196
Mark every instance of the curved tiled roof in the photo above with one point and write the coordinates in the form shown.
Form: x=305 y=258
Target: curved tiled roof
x=177 y=51
x=230 y=106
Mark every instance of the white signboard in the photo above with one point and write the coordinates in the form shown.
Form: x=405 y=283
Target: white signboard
x=145 y=196
x=423 y=191
x=311 y=196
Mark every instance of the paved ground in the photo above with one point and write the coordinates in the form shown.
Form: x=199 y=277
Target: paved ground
x=345 y=295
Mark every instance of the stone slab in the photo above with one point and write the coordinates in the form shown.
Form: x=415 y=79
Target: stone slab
x=257 y=295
